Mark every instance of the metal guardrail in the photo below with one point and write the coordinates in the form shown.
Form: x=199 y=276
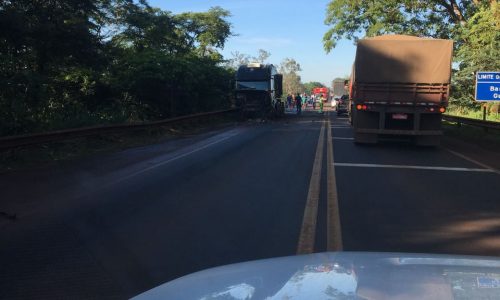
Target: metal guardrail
x=66 y=134
x=472 y=122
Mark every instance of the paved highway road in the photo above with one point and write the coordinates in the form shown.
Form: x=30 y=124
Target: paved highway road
x=119 y=224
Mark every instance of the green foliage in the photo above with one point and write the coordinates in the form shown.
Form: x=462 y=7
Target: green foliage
x=292 y=83
x=480 y=51
x=352 y=19
x=70 y=63
x=209 y=29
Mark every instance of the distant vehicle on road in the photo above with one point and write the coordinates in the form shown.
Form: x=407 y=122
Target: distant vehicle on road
x=258 y=92
x=339 y=88
x=342 y=106
x=320 y=91
x=400 y=86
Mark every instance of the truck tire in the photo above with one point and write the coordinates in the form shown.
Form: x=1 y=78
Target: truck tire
x=365 y=138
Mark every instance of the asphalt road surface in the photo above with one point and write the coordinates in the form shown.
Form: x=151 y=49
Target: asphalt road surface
x=116 y=225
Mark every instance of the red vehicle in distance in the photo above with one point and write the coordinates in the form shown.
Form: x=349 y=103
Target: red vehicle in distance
x=321 y=90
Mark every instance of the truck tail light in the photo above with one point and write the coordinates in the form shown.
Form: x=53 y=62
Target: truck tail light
x=364 y=107
x=359 y=107
x=442 y=109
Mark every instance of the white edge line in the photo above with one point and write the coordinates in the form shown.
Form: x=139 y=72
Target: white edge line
x=472 y=160
x=413 y=167
x=173 y=159
x=343 y=138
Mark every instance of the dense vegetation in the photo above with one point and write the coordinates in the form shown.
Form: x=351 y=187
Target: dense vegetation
x=474 y=25
x=70 y=63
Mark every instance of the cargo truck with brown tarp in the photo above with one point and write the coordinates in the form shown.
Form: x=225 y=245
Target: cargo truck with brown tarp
x=400 y=87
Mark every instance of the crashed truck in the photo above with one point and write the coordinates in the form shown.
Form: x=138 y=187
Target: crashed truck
x=259 y=90
x=400 y=86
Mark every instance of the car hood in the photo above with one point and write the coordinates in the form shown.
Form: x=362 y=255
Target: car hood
x=342 y=275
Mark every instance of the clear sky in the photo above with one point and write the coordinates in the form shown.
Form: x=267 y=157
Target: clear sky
x=285 y=28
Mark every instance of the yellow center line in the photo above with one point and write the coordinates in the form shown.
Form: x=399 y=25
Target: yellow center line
x=333 y=230
x=308 y=229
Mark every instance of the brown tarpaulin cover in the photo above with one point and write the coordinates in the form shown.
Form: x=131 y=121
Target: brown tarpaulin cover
x=403 y=59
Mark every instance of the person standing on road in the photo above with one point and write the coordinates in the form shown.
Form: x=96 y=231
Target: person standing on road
x=314 y=101
x=298 y=103
x=321 y=100
x=289 y=100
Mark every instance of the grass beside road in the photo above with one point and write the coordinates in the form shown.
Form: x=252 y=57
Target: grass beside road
x=49 y=153
x=474 y=115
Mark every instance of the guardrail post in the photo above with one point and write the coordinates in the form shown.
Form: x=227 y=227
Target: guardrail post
x=484 y=116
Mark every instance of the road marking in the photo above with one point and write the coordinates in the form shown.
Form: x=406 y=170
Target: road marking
x=472 y=160
x=294 y=129
x=172 y=159
x=333 y=230
x=308 y=229
x=301 y=122
x=413 y=167
x=343 y=138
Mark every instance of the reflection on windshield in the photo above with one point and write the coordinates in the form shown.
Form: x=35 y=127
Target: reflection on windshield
x=344 y=280
x=252 y=85
x=237 y=292
x=473 y=285
x=341 y=276
x=320 y=282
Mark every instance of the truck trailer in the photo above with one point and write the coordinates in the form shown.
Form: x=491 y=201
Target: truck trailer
x=400 y=86
x=339 y=89
x=258 y=91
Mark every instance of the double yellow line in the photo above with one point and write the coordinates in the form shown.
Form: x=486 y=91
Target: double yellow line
x=309 y=221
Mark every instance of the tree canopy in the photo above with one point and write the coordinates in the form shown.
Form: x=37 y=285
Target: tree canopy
x=237 y=58
x=352 y=19
x=68 y=63
x=292 y=82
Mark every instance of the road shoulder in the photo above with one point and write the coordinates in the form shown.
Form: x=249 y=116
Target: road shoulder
x=473 y=151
